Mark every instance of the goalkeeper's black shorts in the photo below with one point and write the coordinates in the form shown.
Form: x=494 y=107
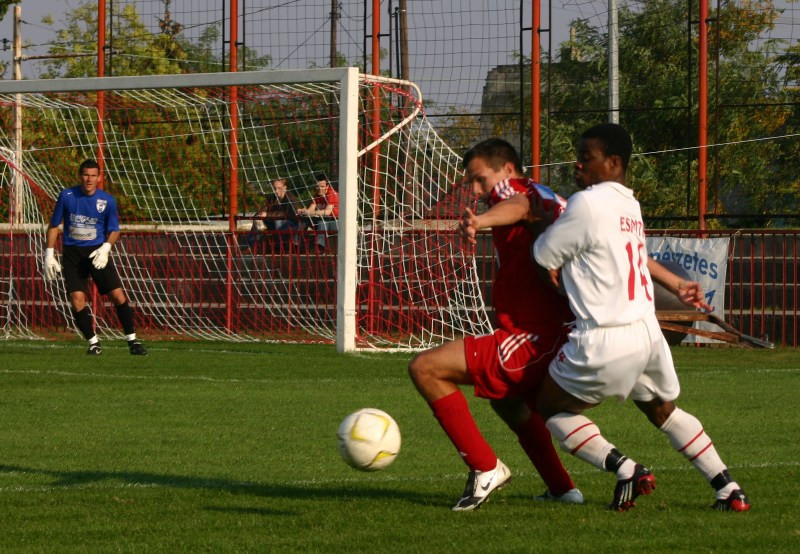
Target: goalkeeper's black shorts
x=77 y=268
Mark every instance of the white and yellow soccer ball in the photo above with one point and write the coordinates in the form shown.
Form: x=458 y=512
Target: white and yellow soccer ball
x=369 y=439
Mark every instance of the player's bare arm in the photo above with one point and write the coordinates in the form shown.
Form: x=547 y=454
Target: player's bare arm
x=112 y=237
x=52 y=236
x=509 y=211
x=688 y=292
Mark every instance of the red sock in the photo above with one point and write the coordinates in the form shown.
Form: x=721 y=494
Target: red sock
x=537 y=443
x=454 y=416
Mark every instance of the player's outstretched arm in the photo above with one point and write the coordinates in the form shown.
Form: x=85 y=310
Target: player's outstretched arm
x=688 y=292
x=512 y=210
x=468 y=226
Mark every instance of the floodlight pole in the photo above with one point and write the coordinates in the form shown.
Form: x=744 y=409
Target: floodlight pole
x=101 y=98
x=613 y=62
x=702 y=116
x=233 y=189
x=375 y=163
x=334 y=25
x=535 y=90
x=17 y=206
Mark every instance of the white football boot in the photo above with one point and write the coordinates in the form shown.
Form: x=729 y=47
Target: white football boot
x=480 y=485
x=572 y=496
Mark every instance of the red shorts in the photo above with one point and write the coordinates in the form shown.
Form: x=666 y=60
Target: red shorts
x=505 y=364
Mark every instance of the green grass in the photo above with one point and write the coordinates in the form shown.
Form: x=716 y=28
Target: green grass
x=212 y=447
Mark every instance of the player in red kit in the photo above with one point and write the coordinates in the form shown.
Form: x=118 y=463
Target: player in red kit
x=510 y=363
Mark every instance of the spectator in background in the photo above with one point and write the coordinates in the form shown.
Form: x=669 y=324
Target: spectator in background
x=323 y=211
x=277 y=214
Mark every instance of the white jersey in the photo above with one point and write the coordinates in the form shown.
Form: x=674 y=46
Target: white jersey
x=599 y=243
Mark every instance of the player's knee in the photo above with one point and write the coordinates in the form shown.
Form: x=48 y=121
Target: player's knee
x=419 y=369
x=512 y=411
x=77 y=300
x=657 y=411
x=117 y=296
x=546 y=405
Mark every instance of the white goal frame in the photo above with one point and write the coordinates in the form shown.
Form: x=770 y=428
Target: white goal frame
x=404 y=280
x=348 y=79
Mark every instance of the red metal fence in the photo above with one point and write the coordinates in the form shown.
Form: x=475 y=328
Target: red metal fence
x=761 y=286
x=761 y=292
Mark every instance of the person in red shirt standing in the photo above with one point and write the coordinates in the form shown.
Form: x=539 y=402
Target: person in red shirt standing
x=323 y=210
x=532 y=321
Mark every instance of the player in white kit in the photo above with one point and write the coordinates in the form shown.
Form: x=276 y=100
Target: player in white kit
x=617 y=348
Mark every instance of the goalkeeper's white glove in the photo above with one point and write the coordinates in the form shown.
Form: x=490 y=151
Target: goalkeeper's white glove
x=51 y=265
x=100 y=256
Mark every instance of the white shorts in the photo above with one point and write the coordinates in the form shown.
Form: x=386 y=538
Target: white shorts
x=628 y=360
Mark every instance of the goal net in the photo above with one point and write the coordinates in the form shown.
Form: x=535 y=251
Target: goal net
x=191 y=160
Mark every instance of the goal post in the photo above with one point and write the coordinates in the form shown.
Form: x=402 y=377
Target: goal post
x=388 y=272
x=346 y=263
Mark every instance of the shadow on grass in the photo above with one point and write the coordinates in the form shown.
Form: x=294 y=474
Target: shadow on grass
x=311 y=491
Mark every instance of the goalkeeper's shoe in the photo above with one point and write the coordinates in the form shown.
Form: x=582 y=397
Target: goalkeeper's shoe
x=642 y=482
x=572 y=496
x=94 y=349
x=737 y=501
x=136 y=348
x=480 y=485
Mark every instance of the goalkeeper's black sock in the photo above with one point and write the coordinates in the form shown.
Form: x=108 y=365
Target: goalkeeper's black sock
x=83 y=319
x=125 y=315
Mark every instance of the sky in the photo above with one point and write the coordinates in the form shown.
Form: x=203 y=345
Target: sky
x=563 y=11
x=452 y=49
x=453 y=45
x=39 y=35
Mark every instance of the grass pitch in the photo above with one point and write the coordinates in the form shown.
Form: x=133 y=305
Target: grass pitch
x=223 y=447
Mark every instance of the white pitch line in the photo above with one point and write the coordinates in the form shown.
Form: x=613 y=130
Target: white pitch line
x=203 y=378
x=740 y=370
x=106 y=345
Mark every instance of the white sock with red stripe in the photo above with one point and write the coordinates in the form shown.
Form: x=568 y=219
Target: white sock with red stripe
x=579 y=436
x=687 y=436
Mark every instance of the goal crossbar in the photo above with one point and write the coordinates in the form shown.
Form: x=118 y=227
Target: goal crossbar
x=337 y=74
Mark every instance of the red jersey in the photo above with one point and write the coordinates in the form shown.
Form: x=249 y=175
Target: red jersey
x=522 y=300
x=331 y=198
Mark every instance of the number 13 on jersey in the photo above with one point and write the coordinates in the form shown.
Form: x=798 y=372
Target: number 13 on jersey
x=636 y=267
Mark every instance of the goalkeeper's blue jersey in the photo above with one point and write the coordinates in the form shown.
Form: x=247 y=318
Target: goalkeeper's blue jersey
x=87 y=219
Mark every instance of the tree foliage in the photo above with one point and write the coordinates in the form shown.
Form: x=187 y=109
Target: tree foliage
x=658 y=104
x=136 y=50
x=4 y=5
x=752 y=96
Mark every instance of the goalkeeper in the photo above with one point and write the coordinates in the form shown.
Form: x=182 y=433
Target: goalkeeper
x=91 y=227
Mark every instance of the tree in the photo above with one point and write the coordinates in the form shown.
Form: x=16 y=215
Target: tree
x=4 y=4
x=136 y=51
x=752 y=100
x=659 y=105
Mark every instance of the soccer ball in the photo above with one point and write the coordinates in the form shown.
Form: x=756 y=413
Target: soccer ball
x=369 y=439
